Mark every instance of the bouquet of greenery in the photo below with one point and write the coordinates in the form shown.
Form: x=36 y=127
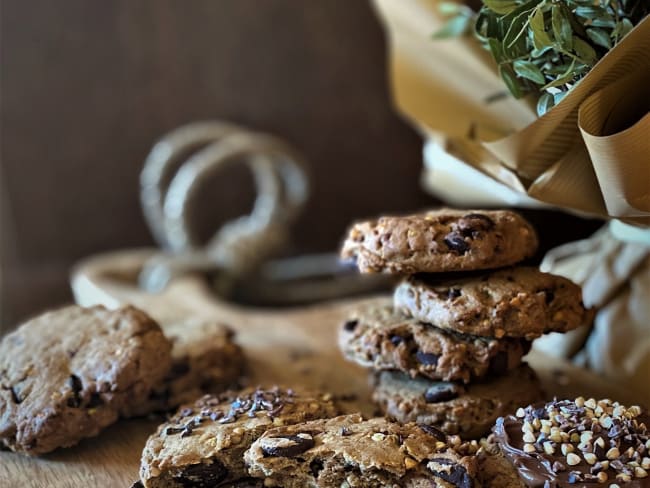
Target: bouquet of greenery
x=545 y=47
x=584 y=65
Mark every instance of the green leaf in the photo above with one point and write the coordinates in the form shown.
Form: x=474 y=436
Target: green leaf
x=600 y=37
x=540 y=38
x=454 y=27
x=564 y=78
x=562 y=27
x=584 y=51
x=528 y=70
x=502 y=7
x=497 y=50
x=545 y=103
x=510 y=80
x=589 y=12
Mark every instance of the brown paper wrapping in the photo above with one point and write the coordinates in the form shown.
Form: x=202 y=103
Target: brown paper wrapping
x=588 y=154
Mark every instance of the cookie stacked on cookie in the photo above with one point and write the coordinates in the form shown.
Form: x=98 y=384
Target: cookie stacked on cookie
x=448 y=351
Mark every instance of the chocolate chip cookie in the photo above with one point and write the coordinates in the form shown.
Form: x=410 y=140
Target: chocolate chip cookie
x=67 y=374
x=577 y=443
x=440 y=240
x=204 y=443
x=513 y=302
x=206 y=359
x=349 y=452
x=467 y=410
x=376 y=337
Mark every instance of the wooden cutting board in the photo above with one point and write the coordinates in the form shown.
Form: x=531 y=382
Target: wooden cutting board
x=293 y=347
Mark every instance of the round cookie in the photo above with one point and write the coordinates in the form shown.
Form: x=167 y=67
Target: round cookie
x=577 y=443
x=376 y=337
x=467 y=410
x=440 y=240
x=348 y=451
x=204 y=443
x=205 y=360
x=513 y=302
x=67 y=374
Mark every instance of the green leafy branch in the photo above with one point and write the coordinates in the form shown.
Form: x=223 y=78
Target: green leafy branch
x=545 y=46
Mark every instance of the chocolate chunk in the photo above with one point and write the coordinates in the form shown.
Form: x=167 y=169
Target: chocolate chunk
x=396 y=340
x=76 y=385
x=427 y=358
x=179 y=368
x=14 y=396
x=350 y=325
x=174 y=430
x=316 y=466
x=456 y=242
x=202 y=475
x=549 y=296
x=456 y=475
x=476 y=221
x=499 y=363
x=294 y=445
x=137 y=484
x=433 y=432
x=95 y=401
x=442 y=392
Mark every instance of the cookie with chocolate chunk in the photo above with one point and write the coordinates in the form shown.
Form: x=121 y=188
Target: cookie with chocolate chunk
x=206 y=359
x=577 y=443
x=467 y=410
x=513 y=302
x=350 y=451
x=375 y=336
x=439 y=241
x=203 y=443
x=67 y=374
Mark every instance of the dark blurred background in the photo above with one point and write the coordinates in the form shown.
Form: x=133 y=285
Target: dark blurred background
x=88 y=86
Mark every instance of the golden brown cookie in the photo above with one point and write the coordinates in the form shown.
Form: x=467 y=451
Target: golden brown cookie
x=512 y=302
x=351 y=452
x=439 y=241
x=467 y=410
x=67 y=374
x=377 y=337
x=204 y=443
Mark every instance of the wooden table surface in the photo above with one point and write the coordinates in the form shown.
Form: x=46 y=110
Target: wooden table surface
x=296 y=346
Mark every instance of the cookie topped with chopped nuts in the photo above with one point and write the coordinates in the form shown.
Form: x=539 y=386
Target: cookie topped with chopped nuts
x=68 y=373
x=439 y=241
x=203 y=443
x=577 y=443
x=513 y=302
x=348 y=451
x=375 y=336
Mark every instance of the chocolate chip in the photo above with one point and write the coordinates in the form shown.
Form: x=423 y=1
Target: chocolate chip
x=456 y=474
x=316 y=466
x=292 y=445
x=476 y=220
x=453 y=293
x=427 y=358
x=202 y=475
x=137 y=484
x=456 y=242
x=179 y=368
x=433 y=432
x=350 y=325
x=549 y=296
x=396 y=340
x=173 y=430
x=95 y=401
x=14 y=396
x=76 y=386
x=442 y=392
x=499 y=363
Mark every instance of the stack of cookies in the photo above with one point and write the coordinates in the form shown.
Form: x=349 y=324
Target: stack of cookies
x=448 y=351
